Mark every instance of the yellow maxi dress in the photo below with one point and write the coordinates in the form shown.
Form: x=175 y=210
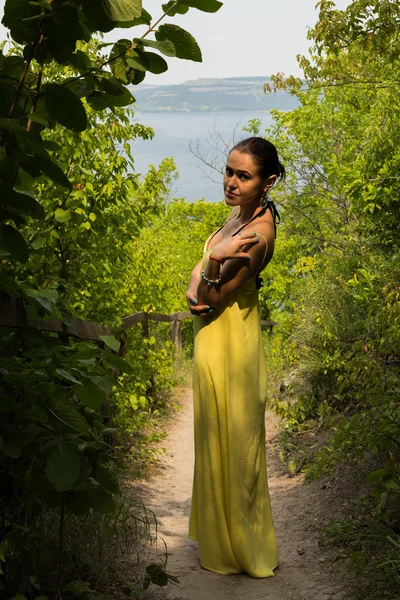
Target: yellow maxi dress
x=231 y=513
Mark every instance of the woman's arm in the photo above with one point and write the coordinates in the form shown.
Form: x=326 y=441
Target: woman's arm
x=195 y=278
x=232 y=265
x=196 y=308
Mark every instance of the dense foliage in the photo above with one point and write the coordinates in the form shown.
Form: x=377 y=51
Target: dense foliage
x=71 y=208
x=339 y=300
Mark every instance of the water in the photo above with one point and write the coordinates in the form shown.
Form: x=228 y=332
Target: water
x=210 y=134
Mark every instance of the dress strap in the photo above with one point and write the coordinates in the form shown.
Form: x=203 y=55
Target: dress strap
x=266 y=244
x=208 y=241
x=259 y=214
x=259 y=280
x=269 y=206
x=210 y=237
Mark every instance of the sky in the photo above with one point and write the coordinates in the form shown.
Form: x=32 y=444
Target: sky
x=244 y=38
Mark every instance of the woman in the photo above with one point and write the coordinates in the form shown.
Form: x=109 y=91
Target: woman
x=231 y=514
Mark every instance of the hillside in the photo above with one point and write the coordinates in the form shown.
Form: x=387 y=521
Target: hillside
x=212 y=95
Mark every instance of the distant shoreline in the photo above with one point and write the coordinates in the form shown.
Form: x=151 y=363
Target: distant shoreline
x=230 y=95
x=209 y=111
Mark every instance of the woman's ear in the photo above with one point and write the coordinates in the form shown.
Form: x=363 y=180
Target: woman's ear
x=269 y=183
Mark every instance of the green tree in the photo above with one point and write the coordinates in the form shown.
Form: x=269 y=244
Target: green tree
x=341 y=209
x=68 y=194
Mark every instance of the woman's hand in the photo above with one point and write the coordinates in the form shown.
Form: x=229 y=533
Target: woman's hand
x=200 y=310
x=232 y=247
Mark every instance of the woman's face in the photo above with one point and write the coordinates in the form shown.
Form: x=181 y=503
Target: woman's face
x=242 y=182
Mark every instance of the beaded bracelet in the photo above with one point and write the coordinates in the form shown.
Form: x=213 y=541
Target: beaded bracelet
x=210 y=281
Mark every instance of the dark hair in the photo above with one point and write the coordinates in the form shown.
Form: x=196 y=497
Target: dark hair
x=265 y=156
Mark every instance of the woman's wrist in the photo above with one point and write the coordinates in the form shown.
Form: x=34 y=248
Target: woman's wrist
x=215 y=256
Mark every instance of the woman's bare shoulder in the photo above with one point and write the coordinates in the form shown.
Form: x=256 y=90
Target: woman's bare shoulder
x=265 y=226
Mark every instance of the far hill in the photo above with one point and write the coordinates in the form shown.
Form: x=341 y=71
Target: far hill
x=212 y=95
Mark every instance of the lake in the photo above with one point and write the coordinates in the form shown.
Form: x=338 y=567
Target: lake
x=208 y=134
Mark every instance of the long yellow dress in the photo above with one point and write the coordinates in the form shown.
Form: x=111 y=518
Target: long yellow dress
x=231 y=513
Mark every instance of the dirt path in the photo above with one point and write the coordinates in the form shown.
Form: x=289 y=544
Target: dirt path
x=305 y=573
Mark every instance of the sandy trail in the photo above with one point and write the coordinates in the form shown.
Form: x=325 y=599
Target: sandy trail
x=305 y=572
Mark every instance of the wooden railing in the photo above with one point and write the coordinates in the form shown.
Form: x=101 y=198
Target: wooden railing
x=13 y=314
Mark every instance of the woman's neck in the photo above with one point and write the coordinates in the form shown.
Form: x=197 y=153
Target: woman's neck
x=247 y=212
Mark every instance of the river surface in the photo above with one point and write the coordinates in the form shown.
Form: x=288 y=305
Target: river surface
x=208 y=134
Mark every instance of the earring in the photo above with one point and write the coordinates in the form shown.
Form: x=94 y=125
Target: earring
x=264 y=200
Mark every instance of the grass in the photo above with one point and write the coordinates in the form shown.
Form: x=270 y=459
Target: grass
x=103 y=555
x=371 y=550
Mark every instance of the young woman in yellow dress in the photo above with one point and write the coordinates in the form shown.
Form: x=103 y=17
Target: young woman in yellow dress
x=231 y=514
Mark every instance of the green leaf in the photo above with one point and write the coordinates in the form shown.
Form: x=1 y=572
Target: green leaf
x=137 y=77
x=98 y=100
x=96 y=18
x=46 y=389
x=51 y=145
x=210 y=6
x=185 y=45
x=51 y=295
x=106 y=480
x=100 y=500
x=63 y=465
x=68 y=414
x=39 y=118
x=175 y=8
x=65 y=107
x=45 y=304
x=52 y=170
x=118 y=65
x=78 y=504
x=86 y=354
x=135 y=63
x=38 y=242
x=28 y=434
x=123 y=100
x=144 y=19
x=79 y=589
x=111 y=342
x=122 y=10
x=13 y=242
x=9 y=285
x=119 y=363
x=157 y=574
x=81 y=61
x=104 y=383
x=12 y=445
x=90 y=394
x=110 y=85
x=32 y=169
x=61 y=215
x=19 y=17
x=377 y=475
x=11 y=65
x=156 y=64
x=68 y=376
x=21 y=203
x=166 y=47
x=6 y=99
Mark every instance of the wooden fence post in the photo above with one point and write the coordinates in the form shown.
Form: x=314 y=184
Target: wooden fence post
x=146 y=328
x=177 y=337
